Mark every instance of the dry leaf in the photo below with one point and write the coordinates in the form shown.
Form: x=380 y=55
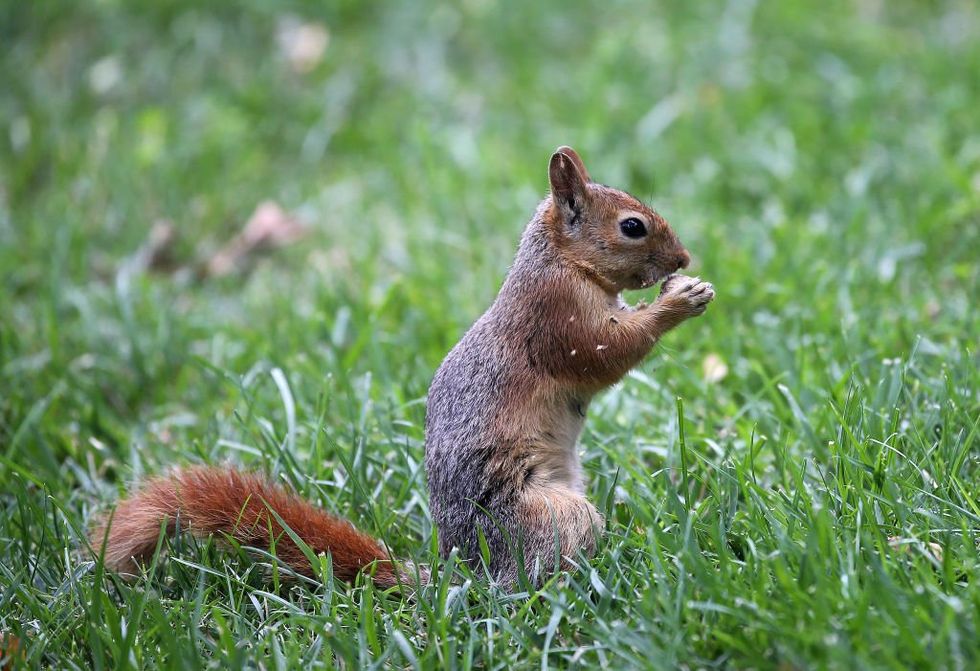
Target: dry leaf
x=904 y=545
x=714 y=368
x=302 y=43
x=269 y=227
x=157 y=252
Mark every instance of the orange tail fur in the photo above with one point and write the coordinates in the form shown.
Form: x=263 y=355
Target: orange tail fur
x=207 y=500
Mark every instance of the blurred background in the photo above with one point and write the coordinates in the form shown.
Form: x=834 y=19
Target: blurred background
x=820 y=160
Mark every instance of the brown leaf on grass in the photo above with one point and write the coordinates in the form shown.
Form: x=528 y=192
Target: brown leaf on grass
x=302 y=43
x=714 y=368
x=157 y=252
x=268 y=228
x=905 y=545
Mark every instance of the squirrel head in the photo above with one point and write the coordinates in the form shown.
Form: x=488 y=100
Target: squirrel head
x=608 y=234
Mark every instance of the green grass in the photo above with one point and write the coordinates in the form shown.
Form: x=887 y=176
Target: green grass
x=820 y=160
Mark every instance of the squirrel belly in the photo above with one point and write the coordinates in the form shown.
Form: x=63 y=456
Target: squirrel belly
x=212 y=500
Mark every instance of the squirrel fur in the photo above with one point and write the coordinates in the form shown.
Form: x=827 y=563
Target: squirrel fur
x=504 y=410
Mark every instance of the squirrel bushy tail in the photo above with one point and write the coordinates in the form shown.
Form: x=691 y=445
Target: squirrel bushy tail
x=209 y=500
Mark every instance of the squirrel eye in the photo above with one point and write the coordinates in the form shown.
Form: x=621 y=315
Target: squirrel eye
x=632 y=228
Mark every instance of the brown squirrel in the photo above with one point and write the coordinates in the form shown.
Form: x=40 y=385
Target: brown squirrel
x=504 y=410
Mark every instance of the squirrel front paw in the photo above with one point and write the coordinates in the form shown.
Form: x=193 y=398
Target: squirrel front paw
x=687 y=295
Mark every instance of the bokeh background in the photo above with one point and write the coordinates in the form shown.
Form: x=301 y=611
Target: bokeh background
x=821 y=160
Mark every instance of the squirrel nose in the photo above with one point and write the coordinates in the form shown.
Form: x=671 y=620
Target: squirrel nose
x=683 y=259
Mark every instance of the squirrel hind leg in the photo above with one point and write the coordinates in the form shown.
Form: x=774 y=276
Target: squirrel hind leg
x=550 y=515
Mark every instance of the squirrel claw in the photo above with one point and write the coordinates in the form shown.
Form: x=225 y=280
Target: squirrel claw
x=690 y=294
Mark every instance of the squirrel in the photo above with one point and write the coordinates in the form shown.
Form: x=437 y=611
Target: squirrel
x=504 y=410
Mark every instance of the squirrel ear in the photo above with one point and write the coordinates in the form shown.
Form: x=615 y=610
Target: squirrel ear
x=576 y=159
x=567 y=180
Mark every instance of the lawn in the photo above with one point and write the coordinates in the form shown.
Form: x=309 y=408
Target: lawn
x=791 y=481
